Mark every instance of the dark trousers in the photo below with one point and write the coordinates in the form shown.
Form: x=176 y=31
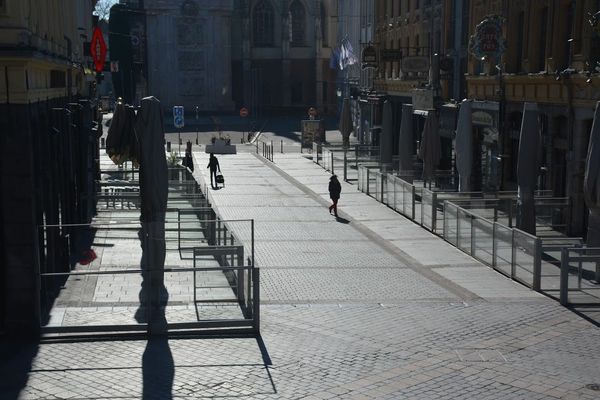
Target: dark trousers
x=334 y=206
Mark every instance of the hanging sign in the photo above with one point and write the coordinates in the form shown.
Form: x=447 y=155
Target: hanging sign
x=369 y=58
x=415 y=64
x=98 y=49
x=488 y=40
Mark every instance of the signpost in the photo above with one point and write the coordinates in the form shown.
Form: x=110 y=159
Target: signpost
x=196 y=125
x=313 y=130
x=244 y=114
x=415 y=64
x=98 y=49
x=391 y=55
x=422 y=99
x=179 y=121
x=369 y=58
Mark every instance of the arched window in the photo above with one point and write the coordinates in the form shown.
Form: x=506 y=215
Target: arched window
x=324 y=26
x=263 y=22
x=297 y=24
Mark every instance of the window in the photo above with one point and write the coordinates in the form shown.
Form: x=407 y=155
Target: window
x=296 y=92
x=297 y=23
x=324 y=26
x=543 y=37
x=263 y=24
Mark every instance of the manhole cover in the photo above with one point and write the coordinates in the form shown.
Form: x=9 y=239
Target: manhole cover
x=593 y=386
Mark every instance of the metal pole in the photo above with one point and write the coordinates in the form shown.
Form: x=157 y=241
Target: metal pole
x=179 y=136
x=564 y=277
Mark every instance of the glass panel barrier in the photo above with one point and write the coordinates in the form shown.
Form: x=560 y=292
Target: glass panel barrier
x=503 y=249
x=450 y=220
x=483 y=242
x=580 y=274
x=464 y=231
x=524 y=250
x=426 y=209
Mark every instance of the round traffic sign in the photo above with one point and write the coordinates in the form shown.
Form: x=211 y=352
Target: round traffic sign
x=243 y=112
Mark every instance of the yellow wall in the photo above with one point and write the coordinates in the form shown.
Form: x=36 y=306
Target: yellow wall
x=34 y=34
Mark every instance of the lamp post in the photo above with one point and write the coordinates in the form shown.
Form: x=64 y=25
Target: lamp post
x=196 y=125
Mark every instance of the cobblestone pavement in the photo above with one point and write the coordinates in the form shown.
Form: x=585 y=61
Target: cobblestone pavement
x=368 y=307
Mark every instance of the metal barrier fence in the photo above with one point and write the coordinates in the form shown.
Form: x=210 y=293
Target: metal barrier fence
x=210 y=286
x=511 y=251
x=481 y=225
x=209 y=271
x=344 y=161
x=580 y=276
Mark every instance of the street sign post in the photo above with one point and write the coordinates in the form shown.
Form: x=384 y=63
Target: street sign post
x=179 y=121
x=369 y=58
x=244 y=114
x=196 y=125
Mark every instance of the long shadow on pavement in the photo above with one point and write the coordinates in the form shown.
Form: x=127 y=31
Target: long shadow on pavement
x=158 y=369
x=16 y=360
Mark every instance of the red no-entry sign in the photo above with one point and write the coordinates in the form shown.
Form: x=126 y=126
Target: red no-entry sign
x=98 y=49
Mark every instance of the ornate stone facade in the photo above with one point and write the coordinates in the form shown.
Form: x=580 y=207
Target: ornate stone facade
x=189 y=53
x=552 y=52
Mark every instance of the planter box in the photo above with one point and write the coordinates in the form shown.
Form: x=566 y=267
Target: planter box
x=220 y=147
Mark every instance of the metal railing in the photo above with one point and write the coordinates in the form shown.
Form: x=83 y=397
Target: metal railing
x=220 y=273
x=344 y=161
x=580 y=276
x=511 y=251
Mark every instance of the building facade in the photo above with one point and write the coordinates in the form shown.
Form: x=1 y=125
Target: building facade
x=281 y=54
x=45 y=146
x=189 y=49
x=552 y=51
x=412 y=38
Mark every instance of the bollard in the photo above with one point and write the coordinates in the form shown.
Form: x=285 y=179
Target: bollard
x=168 y=147
x=102 y=143
x=282 y=146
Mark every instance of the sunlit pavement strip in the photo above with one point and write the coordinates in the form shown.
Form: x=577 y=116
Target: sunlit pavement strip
x=370 y=309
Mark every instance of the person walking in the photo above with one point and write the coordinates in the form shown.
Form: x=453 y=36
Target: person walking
x=335 y=188
x=188 y=160
x=213 y=164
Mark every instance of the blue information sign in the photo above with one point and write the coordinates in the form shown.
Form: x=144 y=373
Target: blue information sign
x=178 y=116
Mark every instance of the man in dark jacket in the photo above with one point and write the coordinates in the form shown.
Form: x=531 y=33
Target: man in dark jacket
x=334 y=193
x=213 y=164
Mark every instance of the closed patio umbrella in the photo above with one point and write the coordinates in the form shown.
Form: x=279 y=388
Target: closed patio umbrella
x=387 y=139
x=528 y=167
x=464 y=145
x=591 y=182
x=430 y=150
x=153 y=193
x=346 y=126
x=405 y=141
